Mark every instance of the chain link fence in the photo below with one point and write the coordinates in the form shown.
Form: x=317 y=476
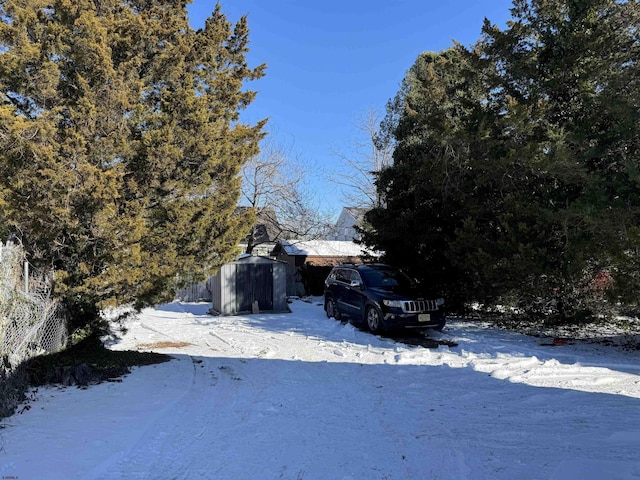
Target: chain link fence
x=29 y=321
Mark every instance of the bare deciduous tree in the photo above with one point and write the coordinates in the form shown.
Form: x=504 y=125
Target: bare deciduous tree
x=367 y=156
x=273 y=185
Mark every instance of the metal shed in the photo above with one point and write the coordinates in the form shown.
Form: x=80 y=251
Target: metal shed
x=250 y=284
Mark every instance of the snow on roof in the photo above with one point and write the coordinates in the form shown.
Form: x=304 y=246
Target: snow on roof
x=323 y=248
x=247 y=258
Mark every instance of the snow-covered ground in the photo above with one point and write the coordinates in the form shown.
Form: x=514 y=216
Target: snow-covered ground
x=299 y=396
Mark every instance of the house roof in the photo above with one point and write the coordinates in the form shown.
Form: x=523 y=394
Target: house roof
x=357 y=212
x=267 y=227
x=323 y=248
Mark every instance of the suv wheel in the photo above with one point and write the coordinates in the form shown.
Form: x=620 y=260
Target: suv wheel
x=330 y=308
x=374 y=319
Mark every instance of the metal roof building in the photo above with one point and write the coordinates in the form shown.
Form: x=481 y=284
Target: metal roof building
x=250 y=284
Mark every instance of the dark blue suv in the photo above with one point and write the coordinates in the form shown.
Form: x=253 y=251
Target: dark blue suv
x=381 y=297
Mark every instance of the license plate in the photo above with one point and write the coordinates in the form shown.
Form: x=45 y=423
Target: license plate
x=424 y=317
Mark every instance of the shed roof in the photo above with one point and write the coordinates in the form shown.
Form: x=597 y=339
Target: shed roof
x=254 y=259
x=323 y=248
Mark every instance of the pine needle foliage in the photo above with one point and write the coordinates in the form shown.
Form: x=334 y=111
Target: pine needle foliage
x=121 y=145
x=515 y=177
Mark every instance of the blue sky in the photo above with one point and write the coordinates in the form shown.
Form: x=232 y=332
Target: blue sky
x=330 y=62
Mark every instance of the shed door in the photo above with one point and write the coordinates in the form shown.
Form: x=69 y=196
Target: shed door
x=254 y=282
x=243 y=288
x=263 y=286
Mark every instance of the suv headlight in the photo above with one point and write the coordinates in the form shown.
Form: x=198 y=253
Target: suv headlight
x=392 y=303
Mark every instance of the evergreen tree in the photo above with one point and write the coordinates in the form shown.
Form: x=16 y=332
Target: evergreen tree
x=425 y=192
x=571 y=65
x=515 y=175
x=122 y=145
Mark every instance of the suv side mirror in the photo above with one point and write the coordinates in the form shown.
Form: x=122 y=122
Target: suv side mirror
x=356 y=283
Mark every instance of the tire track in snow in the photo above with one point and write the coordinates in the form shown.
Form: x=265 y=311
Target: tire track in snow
x=167 y=447
x=127 y=463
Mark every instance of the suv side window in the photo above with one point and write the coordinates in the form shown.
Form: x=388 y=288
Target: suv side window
x=345 y=275
x=355 y=276
x=342 y=275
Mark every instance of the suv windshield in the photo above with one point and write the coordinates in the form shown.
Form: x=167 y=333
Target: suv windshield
x=385 y=278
